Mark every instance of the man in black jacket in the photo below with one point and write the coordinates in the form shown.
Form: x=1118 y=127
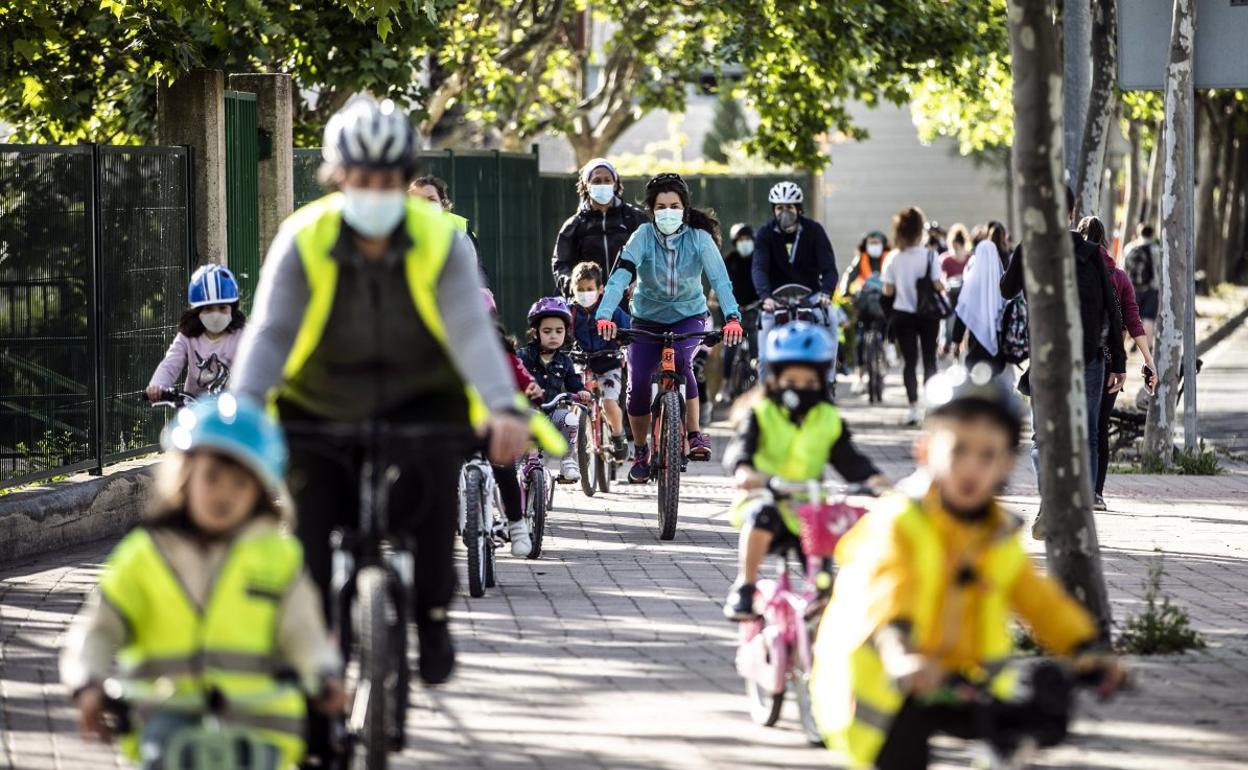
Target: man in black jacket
x=792 y=248
x=1102 y=333
x=599 y=229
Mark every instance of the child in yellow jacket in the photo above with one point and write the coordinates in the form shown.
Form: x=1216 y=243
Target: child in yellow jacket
x=927 y=585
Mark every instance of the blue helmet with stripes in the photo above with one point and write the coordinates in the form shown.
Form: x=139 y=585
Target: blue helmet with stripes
x=800 y=342
x=212 y=285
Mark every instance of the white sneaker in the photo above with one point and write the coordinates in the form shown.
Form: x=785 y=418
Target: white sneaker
x=858 y=388
x=568 y=470
x=915 y=415
x=521 y=545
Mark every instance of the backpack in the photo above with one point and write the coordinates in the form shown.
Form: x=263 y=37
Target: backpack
x=1013 y=343
x=868 y=300
x=1140 y=267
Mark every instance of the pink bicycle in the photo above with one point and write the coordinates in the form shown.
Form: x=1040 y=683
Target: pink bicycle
x=774 y=652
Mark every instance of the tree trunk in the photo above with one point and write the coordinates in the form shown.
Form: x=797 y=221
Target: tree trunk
x=1156 y=171
x=1211 y=136
x=1134 y=186
x=1176 y=216
x=1235 y=210
x=1102 y=105
x=1213 y=244
x=1060 y=417
x=1076 y=47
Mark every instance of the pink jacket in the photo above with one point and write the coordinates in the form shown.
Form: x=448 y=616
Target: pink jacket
x=201 y=357
x=1126 y=296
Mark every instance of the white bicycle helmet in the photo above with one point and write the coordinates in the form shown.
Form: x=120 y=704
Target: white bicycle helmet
x=785 y=192
x=366 y=133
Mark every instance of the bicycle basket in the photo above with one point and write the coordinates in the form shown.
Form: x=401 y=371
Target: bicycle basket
x=823 y=525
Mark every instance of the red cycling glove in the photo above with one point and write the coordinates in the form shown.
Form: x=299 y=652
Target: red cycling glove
x=733 y=327
x=604 y=326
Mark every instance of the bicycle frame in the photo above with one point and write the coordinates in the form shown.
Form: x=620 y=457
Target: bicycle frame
x=780 y=629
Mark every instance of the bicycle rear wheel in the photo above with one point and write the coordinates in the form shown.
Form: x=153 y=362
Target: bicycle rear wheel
x=765 y=706
x=474 y=537
x=671 y=455
x=875 y=367
x=585 y=455
x=372 y=746
x=536 y=499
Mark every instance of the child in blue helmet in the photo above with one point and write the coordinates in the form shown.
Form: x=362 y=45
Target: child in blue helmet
x=791 y=430
x=207 y=338
x=550 y=325
x=210 y=592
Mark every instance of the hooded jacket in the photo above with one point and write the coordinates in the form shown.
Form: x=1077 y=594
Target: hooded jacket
x=596 y=236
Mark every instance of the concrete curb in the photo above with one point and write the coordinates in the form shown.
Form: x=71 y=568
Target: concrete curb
x=73 y=512
x=1222 y=332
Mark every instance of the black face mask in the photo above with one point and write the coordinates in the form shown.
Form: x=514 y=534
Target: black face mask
x=798 y=402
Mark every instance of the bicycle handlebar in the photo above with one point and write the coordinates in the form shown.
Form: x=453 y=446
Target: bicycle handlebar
x=712 y=337
x=782 y=488
x=428 y=438
x=559 y=399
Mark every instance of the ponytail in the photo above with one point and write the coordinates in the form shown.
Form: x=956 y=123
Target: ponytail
x=705 y=219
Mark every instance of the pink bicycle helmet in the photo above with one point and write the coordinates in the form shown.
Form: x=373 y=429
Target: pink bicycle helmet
x=487 y=297
x=549 y=306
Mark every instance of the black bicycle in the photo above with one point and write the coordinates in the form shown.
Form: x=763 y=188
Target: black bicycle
x=743 y=374
x=372 y=578
x=667 y=427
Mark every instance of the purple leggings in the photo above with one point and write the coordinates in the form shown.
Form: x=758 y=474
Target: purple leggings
x=643 y=361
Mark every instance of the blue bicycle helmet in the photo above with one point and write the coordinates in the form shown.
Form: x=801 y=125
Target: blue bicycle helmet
x=800 y=342
x=239 y=429
x=212 y=285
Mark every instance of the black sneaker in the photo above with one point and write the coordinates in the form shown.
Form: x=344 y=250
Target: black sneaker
x=739 y=605
x=619 y=448
x=437 y=654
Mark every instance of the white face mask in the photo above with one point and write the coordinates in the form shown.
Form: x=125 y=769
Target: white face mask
x=215 y=321
x=745 y=248
x=586 y=298
x=875 y=249
x=374 y=213
x=669 y=220
x=601 y=193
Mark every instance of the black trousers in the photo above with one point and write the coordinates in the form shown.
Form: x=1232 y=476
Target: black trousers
x=914 y=334
x=509 y=489
x=324 y=481
x=1102 y=435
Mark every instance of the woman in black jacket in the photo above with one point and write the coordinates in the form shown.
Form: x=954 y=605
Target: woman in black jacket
x=599 y=229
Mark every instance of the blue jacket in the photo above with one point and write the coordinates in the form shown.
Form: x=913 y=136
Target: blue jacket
x=585 y=331
x=812 y=263
x=668 y=271
x=559 y=376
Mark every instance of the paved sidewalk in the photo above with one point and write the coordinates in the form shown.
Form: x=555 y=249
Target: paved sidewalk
x=610 y=651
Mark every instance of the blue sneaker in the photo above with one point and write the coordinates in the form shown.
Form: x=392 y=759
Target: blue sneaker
x=699 y=447
x=640 y=472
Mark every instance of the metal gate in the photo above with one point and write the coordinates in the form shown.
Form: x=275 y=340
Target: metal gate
x=242 y=196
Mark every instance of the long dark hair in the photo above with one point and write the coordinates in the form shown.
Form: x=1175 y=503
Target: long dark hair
x=1092 y=229
x=190 y=325
x=996 y=234
x=699 y=219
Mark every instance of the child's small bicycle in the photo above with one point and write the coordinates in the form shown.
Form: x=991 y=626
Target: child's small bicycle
x=774 y=652
x=593 y=439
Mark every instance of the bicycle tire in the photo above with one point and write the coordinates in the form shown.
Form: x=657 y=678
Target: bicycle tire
x=372 y=748
x=536 y=484
x=403 y=670
x=604 y=466
x=765 y=706
x=490 y=551
x=671 y=456
x=806 y=712
x=474 y=538
x=585 y=455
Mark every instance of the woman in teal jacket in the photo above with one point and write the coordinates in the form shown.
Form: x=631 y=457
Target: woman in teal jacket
x=667 y=258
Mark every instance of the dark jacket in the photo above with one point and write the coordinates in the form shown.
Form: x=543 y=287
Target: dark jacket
x=590 y=235
x=1098 y=310
x=559 y=376
x=585 y=329
x=813 y=264
x=741 y=273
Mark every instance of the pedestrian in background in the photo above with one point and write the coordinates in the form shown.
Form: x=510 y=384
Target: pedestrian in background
x=980 y=303
x=909 y=262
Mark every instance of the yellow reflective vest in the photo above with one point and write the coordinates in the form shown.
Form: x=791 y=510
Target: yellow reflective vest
x=458 y=222
x=317 y=228
x=228 y=644
x=790 y=451
x=899 y=563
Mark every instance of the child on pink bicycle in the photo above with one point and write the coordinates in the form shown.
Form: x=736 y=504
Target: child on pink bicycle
x=549 y=324
x=792 y=431
x=587 y=283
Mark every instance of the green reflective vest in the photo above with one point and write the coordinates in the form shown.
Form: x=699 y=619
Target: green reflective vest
x=228 y=644
x=794 y=452
x=853 y=698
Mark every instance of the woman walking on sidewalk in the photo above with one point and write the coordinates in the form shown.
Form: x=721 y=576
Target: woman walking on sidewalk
x=903 y=268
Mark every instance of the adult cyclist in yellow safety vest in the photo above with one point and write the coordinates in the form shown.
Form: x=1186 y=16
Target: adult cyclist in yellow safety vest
x=792 y=431
x=928 y=583
x=359 y=298
x=209 y=593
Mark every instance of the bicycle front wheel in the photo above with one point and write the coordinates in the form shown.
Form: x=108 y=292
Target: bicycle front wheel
x=671 y=455
x=474 y=536
x=585 y=454
x=604 y=458
x=536 y=483
x=372 y=746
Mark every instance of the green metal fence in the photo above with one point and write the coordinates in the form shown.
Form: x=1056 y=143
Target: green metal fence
x=95 y=244
x=242 y=185
x=517 y=212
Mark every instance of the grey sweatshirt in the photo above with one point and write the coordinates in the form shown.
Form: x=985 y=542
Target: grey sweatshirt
x=376 y=352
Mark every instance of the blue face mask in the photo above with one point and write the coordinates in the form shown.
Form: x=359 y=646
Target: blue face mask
x=669 y=220
x=374 y=213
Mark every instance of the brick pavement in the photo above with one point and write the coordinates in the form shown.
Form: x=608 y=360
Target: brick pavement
x=610 y=652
